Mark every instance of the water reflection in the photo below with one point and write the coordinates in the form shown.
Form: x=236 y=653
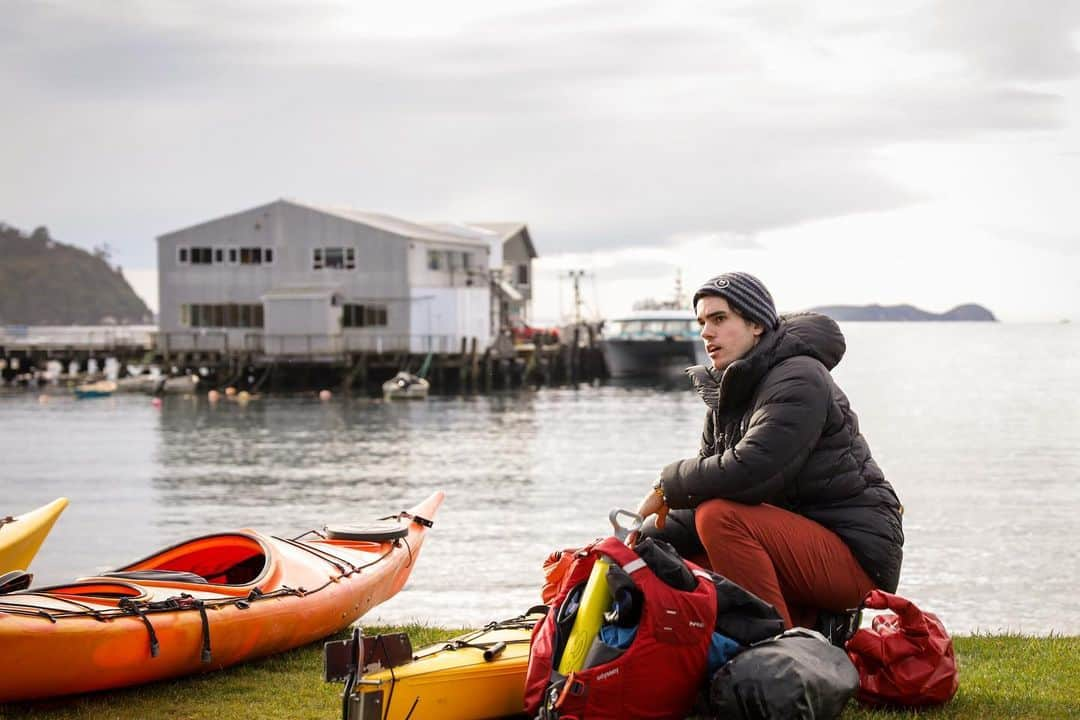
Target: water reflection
x=300 y=459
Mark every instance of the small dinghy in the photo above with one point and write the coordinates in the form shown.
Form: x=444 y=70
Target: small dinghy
x=406 y=386
x=202 y=605
x=101 y=388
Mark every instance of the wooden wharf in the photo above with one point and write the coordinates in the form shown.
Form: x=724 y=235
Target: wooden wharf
x=265 y=363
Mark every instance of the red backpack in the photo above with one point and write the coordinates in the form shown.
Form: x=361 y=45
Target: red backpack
x=659 y=674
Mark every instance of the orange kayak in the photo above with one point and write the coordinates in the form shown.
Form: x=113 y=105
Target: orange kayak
x=202 y=605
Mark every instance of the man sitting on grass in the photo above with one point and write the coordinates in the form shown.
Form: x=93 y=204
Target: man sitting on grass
x=783 y=497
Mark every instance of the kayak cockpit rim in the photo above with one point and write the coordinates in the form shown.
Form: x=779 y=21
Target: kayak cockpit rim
x=223 y=560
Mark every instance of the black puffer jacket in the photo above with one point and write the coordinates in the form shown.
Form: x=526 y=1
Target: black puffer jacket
x=780 y=431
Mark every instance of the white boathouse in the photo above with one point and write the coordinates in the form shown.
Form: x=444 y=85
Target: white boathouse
x=289 y=279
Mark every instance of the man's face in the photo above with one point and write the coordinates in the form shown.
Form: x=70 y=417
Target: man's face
x=727 y=336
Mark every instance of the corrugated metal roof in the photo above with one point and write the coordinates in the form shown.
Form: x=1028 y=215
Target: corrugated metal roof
x=469 y=233
x=472 y=231
x=397 y=226
x=504 y=229
x=509 y=230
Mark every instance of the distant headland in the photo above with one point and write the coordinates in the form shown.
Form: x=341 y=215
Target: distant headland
x=45 y=282
x=904 y=313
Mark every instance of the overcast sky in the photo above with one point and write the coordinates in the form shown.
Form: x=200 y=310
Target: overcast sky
x=853 y=152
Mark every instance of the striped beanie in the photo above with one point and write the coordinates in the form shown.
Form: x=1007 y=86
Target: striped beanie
x=746 y=295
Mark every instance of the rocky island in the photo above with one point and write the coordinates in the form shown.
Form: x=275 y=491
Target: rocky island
x=904 y=313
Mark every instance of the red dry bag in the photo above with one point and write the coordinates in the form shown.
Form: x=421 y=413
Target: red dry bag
x=905 y=657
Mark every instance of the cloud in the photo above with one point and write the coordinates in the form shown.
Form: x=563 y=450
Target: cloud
x=1004 y=40
x=602 y=124
x=1064 y=243
x=730 y=241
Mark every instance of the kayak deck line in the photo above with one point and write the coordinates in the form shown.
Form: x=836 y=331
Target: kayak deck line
x=520 y=622
x=126 y=607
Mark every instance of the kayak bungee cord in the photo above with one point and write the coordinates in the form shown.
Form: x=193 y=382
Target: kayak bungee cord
x=321 y=554
x=86 y=608
x=520 y=622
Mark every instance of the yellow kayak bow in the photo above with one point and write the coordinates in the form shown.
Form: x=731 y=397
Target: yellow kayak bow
x=21 y=536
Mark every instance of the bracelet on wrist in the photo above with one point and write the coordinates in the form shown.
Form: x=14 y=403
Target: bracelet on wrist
x=658 y=490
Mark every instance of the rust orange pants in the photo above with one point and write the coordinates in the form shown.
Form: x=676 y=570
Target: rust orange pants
x=787 y=560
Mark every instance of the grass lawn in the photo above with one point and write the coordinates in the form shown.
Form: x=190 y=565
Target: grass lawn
x=1000 y=677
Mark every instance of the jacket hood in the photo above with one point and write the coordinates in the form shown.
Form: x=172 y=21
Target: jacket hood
x=810 y=334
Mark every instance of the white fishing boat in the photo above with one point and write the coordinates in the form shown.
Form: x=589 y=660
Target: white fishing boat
x=652 y=343
x=658 y=339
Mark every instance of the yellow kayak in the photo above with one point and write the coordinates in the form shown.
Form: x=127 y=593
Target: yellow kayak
x=453 y=680
x=21 y=536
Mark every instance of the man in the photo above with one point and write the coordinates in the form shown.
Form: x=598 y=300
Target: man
x=783 y=497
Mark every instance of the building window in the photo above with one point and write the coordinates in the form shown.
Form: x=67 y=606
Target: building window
x=250 y=256
x=523 y=274
x=268 y=255
x=183 y=255
x=366 y=315
x=466 y=260
x=219 y=256
x=434 y=259
x=232 y=256
x=334 y=258
x=232 y=316
x=202 y=256
x=223 y=315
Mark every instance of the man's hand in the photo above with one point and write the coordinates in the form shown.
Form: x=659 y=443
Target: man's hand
x=653 y=504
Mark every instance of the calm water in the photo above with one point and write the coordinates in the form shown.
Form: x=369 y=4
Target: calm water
x=977 y=427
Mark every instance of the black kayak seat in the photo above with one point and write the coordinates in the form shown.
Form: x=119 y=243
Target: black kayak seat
x=14 y=581
x=378 y=531
x=159 y=575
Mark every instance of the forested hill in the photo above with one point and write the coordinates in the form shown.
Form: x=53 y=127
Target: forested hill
x=44 y=282
x=895 y=313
